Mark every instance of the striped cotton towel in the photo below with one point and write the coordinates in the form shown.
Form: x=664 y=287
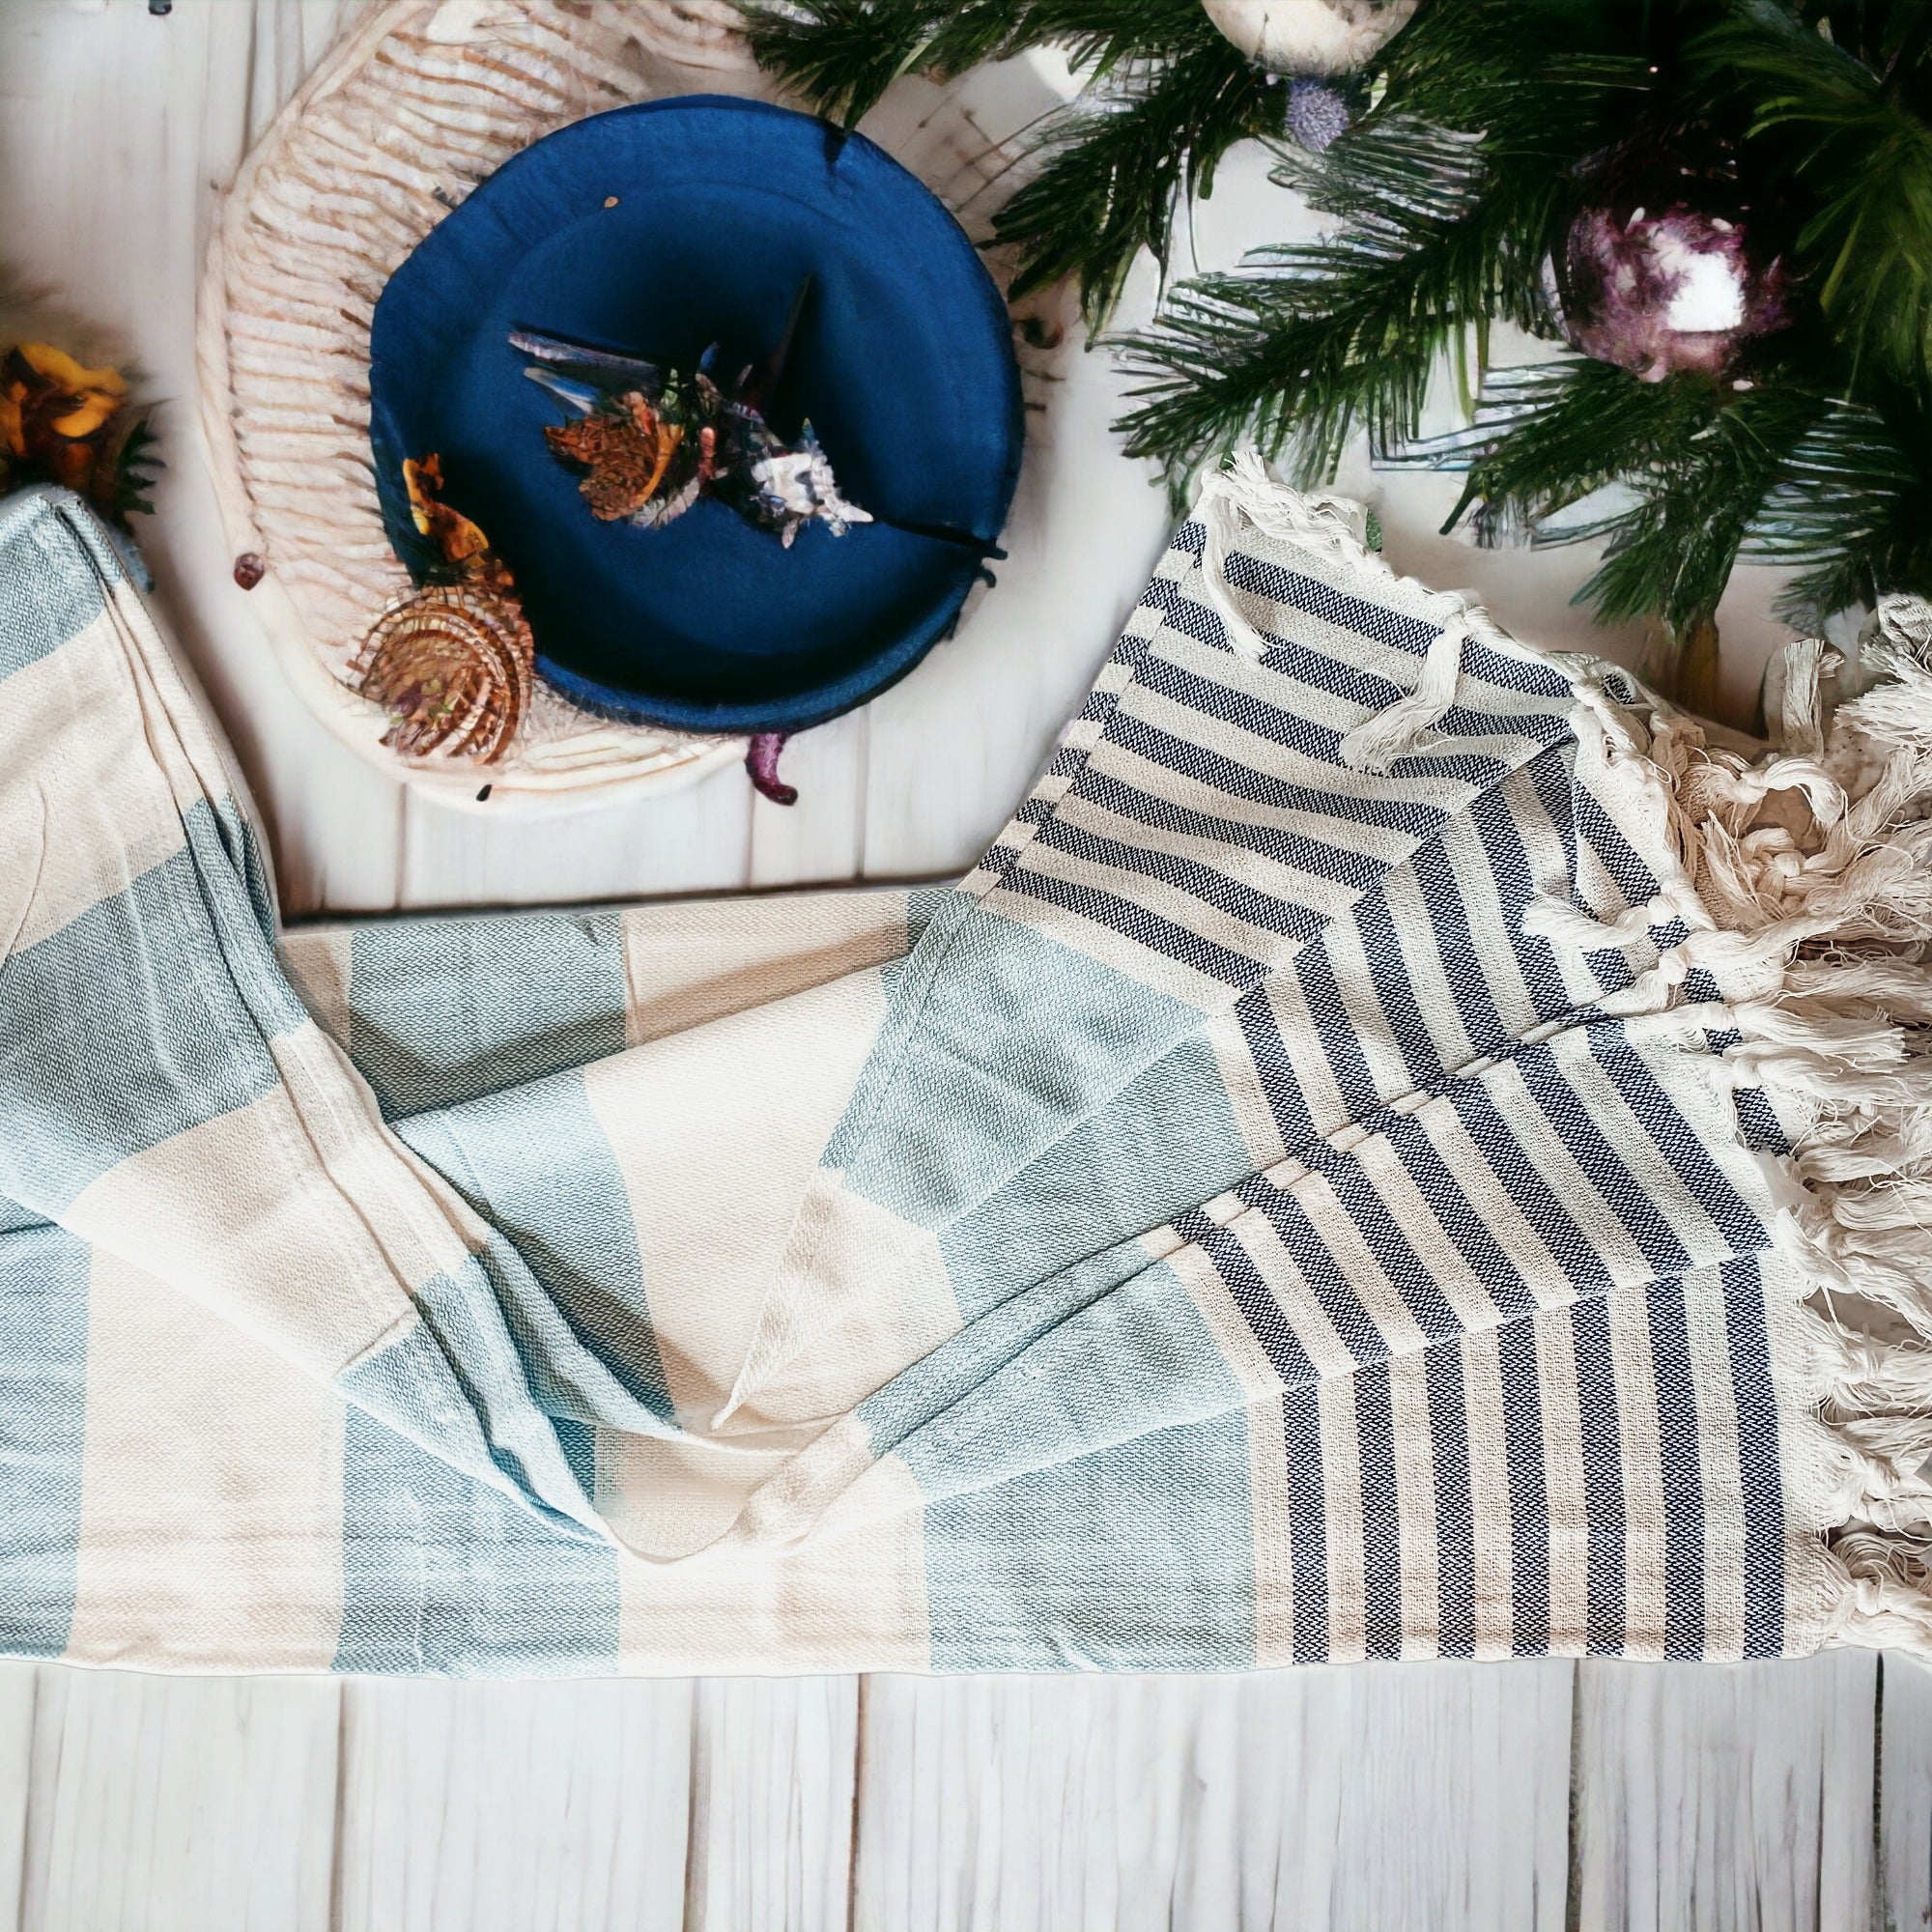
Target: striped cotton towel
x=1397 y=1150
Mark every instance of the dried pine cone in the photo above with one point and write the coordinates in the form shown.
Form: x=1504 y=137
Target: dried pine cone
x=452 y=665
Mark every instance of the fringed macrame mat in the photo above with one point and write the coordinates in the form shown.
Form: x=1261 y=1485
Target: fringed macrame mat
x=418 y=103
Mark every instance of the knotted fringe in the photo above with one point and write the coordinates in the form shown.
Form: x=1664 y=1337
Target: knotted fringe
x=1810 y=898
x=1333 y=527
x=1805 y=887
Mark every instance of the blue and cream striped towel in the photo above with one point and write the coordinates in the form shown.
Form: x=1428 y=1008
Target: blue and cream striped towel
x=1397 y=1149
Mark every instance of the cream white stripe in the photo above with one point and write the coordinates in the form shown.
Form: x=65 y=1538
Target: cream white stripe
x=1415 y=1507
x=1343 y=1506
x=1489 y=1495
x=1641 y=1452
x=1563 y=1484
x=1723 y=1527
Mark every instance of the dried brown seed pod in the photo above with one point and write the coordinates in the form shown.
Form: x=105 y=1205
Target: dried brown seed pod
x=452 y=665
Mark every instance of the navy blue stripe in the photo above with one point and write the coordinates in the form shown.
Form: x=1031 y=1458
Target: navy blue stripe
x=1395 y=990
x=1382 y=1540
x=1250 y=1293
x=1136 y=923
x=1422 y=1162
x=1325 y=1281
x=1298 y=848
x=1502 y=842
x=1408 y=1274
x=1454 y=1503
x=1274 y=1067
x=1307 y=1522
x=1630 y=1202
x=1613 y=851
x=1262 y=578
x=1657 y=1115
x=1554 y=1223
x=1681 y=1459
x=1597 y=1416
x=1335 y=1030
x=1222 y=891
x=1529 y=1491
x=1181 y=612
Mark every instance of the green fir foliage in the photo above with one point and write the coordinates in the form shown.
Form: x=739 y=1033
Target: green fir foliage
x=1447 y=202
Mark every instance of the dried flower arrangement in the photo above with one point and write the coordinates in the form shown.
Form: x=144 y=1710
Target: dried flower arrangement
x=62 y=423
x=451 y=662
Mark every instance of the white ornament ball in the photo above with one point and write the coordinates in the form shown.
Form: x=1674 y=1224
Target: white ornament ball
x=1310 y=37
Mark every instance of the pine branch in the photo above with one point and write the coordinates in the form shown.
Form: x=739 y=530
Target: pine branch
x=1118 y=165
x=842 y=55
x=1852 y=510
x=1311 y=340
x=1671 y=553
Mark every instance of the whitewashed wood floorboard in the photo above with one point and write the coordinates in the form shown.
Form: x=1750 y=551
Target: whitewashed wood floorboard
x=1381 y=1796
x=539 y=1806
x=1724 y=1798
x=1905 y=1796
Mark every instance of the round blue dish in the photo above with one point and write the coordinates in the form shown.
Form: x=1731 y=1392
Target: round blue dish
x=658 y=230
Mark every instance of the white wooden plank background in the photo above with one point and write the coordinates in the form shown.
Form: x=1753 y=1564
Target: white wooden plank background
x=1539 y=1796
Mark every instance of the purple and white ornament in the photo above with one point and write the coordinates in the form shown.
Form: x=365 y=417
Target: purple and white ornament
x=1661 y=291
x=1312 y=38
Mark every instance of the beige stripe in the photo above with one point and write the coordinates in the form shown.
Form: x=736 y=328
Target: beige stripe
x=677 y=1113
x=1335 y=1229
x=1684 y=1077
x=1267 y=1465
x=1489 y=926
x=690 y=963
x=83 y=826
x=284 y=1221
x=1269 y=1513
x=1641 y=1451
x=1502 y=1219
x=1422 y=962
x=1810 y=1593
x=852 y=1596
x=1355 y=982
x=1545 y=1149
x=320 y=962
x=211 y=1532
x=1247 y=1097
x=1549 y=871
x=1436 y=1250
x=1563 y=1484
x=1188 y=794
x=1488 y=1493
x=1711 y=1370
x=1328 y=1111
x=1283 y=763
x=1113 y=949
x=1324 y=1348
x=1343 y=1507
x=1414 y=1504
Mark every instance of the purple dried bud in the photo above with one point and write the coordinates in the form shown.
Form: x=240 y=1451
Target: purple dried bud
x=1657 y=292
x=762 y=760
x=1316 y=113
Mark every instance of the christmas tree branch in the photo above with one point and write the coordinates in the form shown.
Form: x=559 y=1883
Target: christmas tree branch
x=1120 y=163
x=842 y=55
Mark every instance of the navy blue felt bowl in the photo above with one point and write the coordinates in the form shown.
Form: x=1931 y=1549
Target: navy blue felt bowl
x=903 y=363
